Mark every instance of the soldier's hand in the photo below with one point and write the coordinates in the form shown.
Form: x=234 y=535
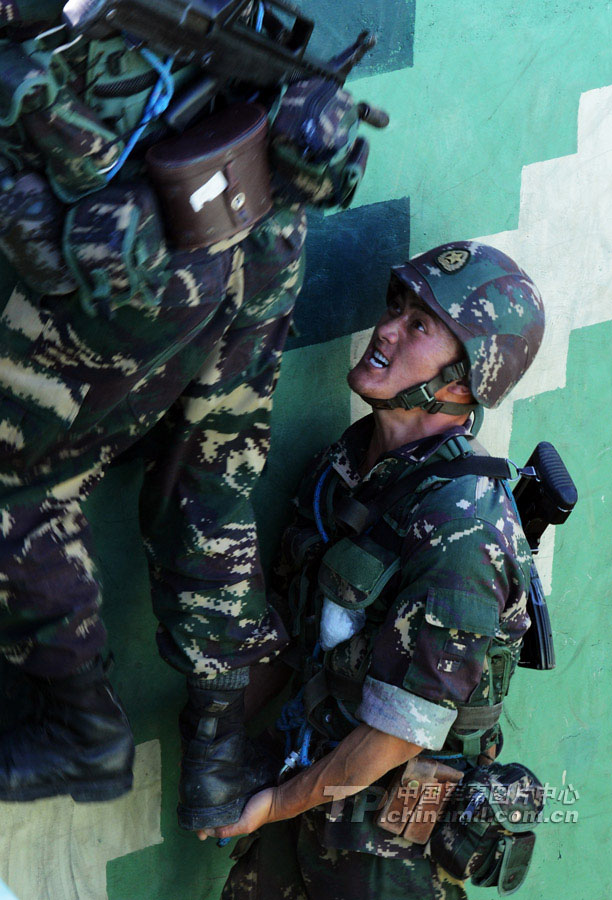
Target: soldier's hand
x=256 y=813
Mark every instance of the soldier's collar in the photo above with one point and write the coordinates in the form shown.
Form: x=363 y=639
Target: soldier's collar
x=346 y=454
x=422 y=450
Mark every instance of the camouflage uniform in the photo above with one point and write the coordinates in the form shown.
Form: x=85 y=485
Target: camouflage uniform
x=195 y=374
x=113 y=337
x=288 y=860
x=443 y=579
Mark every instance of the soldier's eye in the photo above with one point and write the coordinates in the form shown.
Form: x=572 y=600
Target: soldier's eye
x=394 y=306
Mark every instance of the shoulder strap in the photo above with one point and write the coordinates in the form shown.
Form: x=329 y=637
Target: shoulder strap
x=358 y=516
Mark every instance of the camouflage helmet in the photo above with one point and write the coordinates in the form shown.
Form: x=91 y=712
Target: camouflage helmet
x=491 y=306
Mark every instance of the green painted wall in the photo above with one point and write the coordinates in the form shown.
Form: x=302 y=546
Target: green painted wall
x=562 y=727
x=477 y=91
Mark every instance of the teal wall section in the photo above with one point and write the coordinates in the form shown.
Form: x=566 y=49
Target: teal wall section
x=476 y=90
x=562 y=721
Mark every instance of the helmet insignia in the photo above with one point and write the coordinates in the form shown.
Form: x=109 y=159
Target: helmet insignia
x=453 y=260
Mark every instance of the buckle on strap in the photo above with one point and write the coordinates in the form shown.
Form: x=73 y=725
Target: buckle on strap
x=455 y=371
x=423 y=395
x=433 y=406
x=418 y=396
x=472 y=727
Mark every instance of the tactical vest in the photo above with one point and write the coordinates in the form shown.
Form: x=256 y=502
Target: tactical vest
x=67 y=111
x=357 y=571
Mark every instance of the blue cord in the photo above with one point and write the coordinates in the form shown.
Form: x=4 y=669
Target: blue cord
x=305 y=760
x=299 y=757
x=316 y=504
x=444 y=756
x=157 y=103
x=292 y=717
x=260 y=17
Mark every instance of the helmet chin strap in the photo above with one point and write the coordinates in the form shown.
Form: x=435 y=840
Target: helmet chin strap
x=422 y=395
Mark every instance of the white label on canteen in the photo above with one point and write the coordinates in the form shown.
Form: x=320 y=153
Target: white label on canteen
x=208 y=191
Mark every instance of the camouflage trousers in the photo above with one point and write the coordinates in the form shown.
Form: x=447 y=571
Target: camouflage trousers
x=286 y=861
x=188 y=384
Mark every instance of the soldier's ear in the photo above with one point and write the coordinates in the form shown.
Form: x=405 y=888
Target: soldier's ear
x=460 y=389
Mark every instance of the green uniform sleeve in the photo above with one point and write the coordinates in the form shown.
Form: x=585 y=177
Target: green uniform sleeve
x=462 y=587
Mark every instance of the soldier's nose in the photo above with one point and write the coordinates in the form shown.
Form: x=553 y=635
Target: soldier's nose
x=388 y=331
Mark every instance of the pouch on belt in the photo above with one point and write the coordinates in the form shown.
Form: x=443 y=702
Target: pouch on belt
x=114 y=246
x=316 y=154
x=31 y=220
x=486 y=833
x=213 y=180
x=417 y=797
x=26 y=84
x=78 y=148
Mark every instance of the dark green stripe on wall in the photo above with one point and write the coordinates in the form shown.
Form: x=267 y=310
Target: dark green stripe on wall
x=338 y=24
x=348 y=257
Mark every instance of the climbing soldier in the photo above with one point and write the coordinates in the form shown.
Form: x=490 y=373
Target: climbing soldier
x=161 y=334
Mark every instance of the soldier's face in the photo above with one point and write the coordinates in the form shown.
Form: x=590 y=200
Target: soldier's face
x=409 y=345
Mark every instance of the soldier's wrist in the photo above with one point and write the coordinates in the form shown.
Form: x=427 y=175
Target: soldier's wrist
x=288 y=800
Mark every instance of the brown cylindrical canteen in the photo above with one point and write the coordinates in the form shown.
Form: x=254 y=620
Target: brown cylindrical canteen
x=213 y=180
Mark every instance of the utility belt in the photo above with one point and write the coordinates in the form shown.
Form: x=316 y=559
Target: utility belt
x=207 y=187
x=478 y=824
x=65 y=225
x=476 y=816
x=77 y=113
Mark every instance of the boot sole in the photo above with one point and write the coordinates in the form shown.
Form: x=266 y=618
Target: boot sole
x=210 y=817
x=83 y=792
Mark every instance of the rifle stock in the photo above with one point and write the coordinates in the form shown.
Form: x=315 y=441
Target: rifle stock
x=543 y=500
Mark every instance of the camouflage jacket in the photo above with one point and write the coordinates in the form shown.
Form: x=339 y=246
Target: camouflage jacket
x=442 y=577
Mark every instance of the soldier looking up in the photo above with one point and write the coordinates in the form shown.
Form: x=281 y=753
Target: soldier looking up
x=408 y=625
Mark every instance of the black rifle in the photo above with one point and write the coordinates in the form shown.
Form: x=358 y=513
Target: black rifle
x=543 y=500
x=257 y=42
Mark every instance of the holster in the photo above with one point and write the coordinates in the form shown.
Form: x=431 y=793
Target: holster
x=486 y=833
x=417 y=797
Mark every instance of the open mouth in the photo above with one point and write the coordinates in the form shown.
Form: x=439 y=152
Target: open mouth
x=378 y=359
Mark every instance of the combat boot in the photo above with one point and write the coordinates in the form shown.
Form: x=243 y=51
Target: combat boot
x=220 y=769
x=79 y=742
